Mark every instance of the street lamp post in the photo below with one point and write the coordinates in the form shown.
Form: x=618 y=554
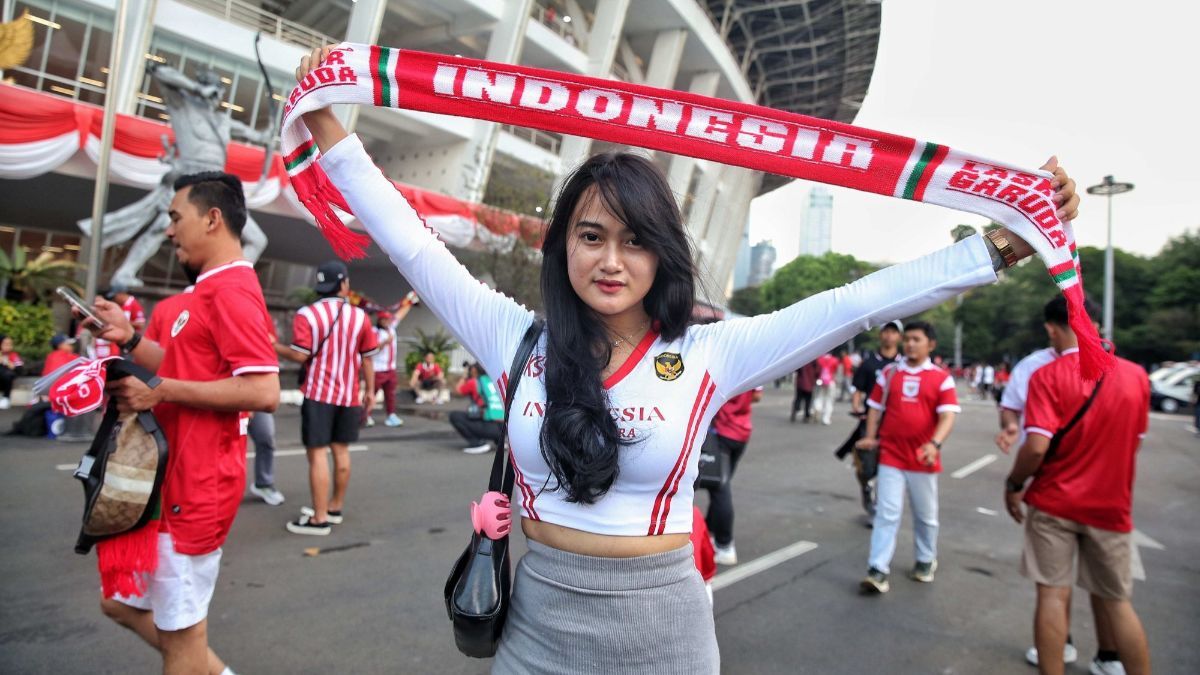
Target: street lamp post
x=1108 y=188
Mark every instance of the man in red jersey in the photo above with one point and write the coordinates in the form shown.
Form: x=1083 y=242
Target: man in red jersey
x=920 y=404
x=120 y=294
x=1081 y=449
x=217 y=362
x=335 y=340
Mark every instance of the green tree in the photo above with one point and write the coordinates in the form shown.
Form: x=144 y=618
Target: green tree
x=808 y=275
x=747 y=301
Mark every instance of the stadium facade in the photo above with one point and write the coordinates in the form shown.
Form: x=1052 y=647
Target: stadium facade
x=809 y=56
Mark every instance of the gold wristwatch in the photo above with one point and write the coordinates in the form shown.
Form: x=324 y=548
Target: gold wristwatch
x=1003 y=246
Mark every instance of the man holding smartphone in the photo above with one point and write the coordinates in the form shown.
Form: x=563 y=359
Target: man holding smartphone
x=218 y=362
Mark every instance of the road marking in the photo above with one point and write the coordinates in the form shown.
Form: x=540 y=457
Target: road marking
x=287 y=452
x=974 y=466
x=761 y=564
x=987 y=512
x=1141 y=539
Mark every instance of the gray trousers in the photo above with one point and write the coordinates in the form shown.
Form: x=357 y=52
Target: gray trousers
x=262 y=432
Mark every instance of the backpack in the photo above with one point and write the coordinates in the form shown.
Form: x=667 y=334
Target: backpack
x=123 y=470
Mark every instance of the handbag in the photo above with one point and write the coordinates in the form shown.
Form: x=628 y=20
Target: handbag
x=477 y=590
x=303 y=374
x=127 y=449
x=714 y=463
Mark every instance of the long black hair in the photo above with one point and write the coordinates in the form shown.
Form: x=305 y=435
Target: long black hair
x=579 y=439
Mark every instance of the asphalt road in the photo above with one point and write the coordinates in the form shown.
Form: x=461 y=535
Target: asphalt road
x=370 y=600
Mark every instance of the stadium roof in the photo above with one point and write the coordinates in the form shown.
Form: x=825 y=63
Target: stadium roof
x=813 y=57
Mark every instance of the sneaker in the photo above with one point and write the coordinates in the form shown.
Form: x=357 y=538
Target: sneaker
x=305 y=525
x=478 y=449
x=5 y=404
x=393 y=420
x=1070 y=655
x=268 y=494
x=876 y=582
x=1098 y=667
x=725 y=555
x=332 y=517
x=370 y=422
x=923 y=571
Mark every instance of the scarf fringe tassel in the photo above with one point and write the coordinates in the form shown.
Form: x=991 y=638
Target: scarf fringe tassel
x=125 y=561
x=316 y=193
x=1094 y=360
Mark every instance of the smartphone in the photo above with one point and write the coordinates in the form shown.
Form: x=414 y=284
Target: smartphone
x=86 y=310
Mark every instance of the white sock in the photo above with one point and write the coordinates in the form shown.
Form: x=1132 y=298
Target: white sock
x=228 y=671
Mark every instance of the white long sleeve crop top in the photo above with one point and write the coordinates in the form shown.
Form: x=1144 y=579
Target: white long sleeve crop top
x=666 y=394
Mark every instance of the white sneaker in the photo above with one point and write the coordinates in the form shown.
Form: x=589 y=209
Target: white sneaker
x=334 y=517
x=369 y=423
x=478 y=449
x=1098 y=667
x=269 y=495
x=393 y=420
x=5 y=404
x=1070 y=654
x=725 y=555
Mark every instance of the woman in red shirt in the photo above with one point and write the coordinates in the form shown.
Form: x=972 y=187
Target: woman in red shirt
x=10 y=366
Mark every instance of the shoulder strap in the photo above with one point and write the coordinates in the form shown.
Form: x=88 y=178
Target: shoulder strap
x=336 y=320
x=502 y=476
x=1062 y=433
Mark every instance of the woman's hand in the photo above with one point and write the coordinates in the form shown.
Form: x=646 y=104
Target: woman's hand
x=867 y=443
x=324 y=126
x=1065 y=198
x=119 y=330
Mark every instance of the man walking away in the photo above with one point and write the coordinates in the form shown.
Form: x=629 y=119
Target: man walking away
x=334 y=340
x=866 y=462
x=216 y=363
x=1081 y=446
x=384 y=363
x=827 y=366
x=733 y=426
x=806 y=380
x=921 y=403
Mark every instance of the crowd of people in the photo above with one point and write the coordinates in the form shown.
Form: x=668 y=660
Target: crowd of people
x=619 y=365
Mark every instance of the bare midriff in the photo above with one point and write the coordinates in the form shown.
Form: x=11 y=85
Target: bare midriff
x=600 y=545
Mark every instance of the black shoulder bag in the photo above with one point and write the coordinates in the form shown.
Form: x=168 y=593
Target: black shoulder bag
x=304 y=366
x=126 y=445
x=478 y=587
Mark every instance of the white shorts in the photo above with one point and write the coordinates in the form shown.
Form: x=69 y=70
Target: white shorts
x=180 y=589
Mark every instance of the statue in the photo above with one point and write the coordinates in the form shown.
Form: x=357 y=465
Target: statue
x=202 y=136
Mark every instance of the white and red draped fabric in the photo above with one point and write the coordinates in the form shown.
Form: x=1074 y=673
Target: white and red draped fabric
x=40 y=132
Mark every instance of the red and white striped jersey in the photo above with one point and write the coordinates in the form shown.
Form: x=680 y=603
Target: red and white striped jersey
x=664 y=396
x=348 y=338
x=385 y=358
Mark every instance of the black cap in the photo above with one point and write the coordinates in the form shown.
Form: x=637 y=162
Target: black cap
x=330 y=275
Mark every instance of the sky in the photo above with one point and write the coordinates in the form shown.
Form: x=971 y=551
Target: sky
x=1109 y=87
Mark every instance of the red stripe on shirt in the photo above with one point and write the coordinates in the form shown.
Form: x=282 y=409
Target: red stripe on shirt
x=635 y=357
x=689 y=444
x=692 y=422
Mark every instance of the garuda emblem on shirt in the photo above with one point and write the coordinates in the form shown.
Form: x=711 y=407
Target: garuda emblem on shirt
x=668 y=366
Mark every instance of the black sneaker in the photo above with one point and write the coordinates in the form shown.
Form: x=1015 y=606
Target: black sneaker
x=923 y=571
x=876 y=583
x=332 y=517
x=304 y=525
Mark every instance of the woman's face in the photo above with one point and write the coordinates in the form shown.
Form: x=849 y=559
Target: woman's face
x=607 y=266
x=6 y=345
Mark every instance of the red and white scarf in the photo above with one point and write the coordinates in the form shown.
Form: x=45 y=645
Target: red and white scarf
x=687 y=124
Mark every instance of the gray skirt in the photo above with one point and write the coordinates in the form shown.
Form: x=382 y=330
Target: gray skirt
x=574 y=613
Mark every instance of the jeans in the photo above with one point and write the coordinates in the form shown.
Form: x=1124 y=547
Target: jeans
x=475 y=431
x=720 y=503
x=889 y=506
x=262 y=431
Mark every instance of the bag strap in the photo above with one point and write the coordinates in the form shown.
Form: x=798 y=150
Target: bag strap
x=115 y=370
x=500 y=467
x=321 y=343
x=1059 y=435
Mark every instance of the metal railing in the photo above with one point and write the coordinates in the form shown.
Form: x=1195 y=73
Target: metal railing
x=544 y=140
x=551 y=19
x=258 y=19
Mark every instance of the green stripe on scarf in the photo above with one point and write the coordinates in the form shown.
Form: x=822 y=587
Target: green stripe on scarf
x=302 y=157
x=914 y=179
x=385 y=84
x=1064 y=276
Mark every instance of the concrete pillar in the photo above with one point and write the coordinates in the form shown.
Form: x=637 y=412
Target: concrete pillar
x=504 y=46
x=679 y=175
x=702 y=202
x=366 y=18
x=603 y=38
x=725 y=229
x=138 y=29
x=665 y=58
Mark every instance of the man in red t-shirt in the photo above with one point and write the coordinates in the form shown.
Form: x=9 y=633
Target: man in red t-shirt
x=217 y=362
x=920 y=403
x=335 y=340
x=732 y=425
x=823 y=393
x=119 y=294
x=428 y=381
x=1081 y=498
